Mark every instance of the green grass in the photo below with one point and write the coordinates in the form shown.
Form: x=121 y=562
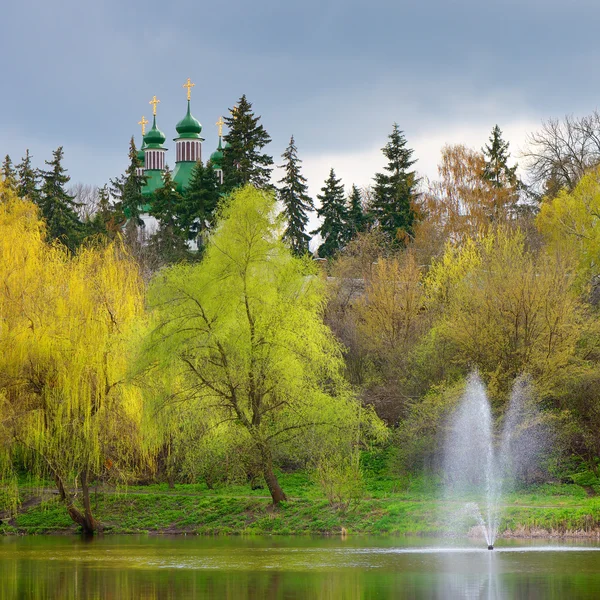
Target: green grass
x=391 y=506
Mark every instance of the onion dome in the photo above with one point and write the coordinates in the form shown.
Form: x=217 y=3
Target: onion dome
x=216 y=158
x=189 y=127
x=155 y=138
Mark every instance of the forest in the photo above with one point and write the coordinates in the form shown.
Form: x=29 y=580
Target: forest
x=272 y=351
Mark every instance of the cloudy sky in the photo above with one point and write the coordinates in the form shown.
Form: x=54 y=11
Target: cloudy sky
x=334 y=73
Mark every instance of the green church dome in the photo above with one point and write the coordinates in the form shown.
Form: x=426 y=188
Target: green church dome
x=155 y=138
x=140 y=153
x=216 y=158
x=189 y=127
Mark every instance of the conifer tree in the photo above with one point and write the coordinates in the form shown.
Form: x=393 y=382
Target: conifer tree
x=57 y=206
x=128 y=188
x=357 y=219
x=107 y=220
x=169 y=240
x=196 y=210
x=243 y=161
x=333 y=229
x=296 y=201
x=9 y=176
x=28 y=178
x=496 y=169
x=394 y=191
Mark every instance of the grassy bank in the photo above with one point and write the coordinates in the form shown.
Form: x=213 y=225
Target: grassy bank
x=389 y=507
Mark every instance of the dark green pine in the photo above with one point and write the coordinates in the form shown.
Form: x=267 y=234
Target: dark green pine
x=496 y=169
x=127 y=189
x=293 y=194
x=243 y=161
x=9 y=175
x=196 y=211
x=334 y=217
x=58 y=207
x=357 y=219
x=168 y=241
x=28 y=179
x=395 y=191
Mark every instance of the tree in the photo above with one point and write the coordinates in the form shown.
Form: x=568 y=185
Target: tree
x=244 y=330
x=28 y=179
x=66 y=409
x=58 y=207
x=464 y=201
x=392 y=208
x=505 y=309
x=496 y=169
x=391 y=308
x=107 y=220
x=356 y=219
x=86 y=196
x=9 y=176
x=243 y=162
x=169 y=239
x=196 y=210
x=293 y=194
x=570 y=223
x=333 y=211
x=562 y=151
x=127 y=189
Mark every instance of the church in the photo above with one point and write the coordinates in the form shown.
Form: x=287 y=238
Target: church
x=188 y=149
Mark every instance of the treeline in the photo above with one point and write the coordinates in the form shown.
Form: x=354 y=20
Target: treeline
x=246 y=357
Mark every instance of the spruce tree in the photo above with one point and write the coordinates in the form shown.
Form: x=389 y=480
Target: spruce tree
x=28 y=178
x=496 y=169
x=356 y=219
x=395 y=191
x=107 y=220
x=57 y=206
x=243 y=161
x=196 y=210
x=333 y=230
x=168 y=240
x=9 y=175
x=296 y=202
x=127 y=189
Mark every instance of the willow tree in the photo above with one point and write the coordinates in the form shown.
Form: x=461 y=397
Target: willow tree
x=64 y=322
x=244 y=329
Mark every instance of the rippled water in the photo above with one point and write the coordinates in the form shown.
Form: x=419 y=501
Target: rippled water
x=290 y=568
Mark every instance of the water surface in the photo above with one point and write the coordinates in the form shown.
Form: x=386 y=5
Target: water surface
x=293 y=568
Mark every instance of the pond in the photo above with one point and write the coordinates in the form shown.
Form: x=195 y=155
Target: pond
x=293 y=568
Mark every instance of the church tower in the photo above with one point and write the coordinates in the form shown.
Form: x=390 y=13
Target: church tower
x=141 y=151
x=216 y=158
x=188 y=144
x=154 y=155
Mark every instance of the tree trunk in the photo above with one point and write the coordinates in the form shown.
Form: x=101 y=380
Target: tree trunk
x=91 y=523
x=86 y=521
x=269 y=474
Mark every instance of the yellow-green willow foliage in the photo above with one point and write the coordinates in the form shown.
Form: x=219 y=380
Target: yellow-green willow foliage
x=64 y=322
x=505 y=309
x=244 y=329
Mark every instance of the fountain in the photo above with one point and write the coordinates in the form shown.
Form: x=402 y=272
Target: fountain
x=480 y=466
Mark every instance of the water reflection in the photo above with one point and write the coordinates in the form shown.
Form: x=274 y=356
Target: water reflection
x=275 y=568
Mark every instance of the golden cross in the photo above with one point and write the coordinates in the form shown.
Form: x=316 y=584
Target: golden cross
x=154 y=102
x=143 y=123
x=220 y=124
x=233 y=111
x=189 y=85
